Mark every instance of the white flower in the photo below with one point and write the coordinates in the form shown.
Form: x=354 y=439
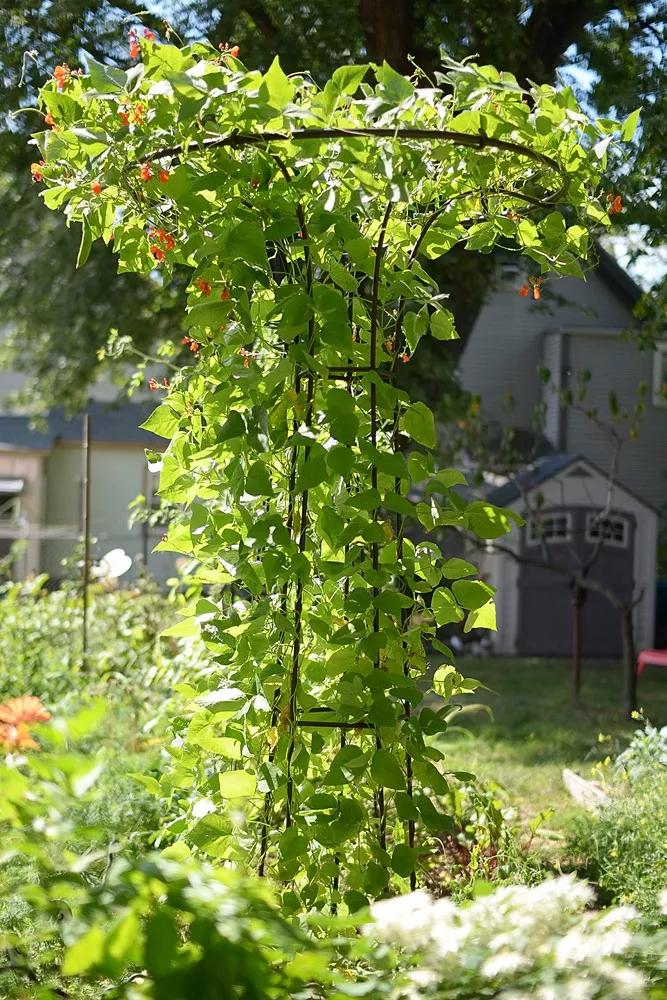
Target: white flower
x=405 y=920
x=505 y=963
x=630 y=983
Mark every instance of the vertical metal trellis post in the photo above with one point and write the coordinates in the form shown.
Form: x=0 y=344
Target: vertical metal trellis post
x=85 y=519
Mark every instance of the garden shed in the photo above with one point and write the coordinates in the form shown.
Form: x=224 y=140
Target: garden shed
x=572 y=512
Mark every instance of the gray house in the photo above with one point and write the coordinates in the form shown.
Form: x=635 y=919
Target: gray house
x=41 y=488
x=581 y=329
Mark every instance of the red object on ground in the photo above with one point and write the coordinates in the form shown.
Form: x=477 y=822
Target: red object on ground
x=651 y=657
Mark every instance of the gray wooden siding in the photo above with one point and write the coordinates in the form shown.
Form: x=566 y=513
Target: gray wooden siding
x=513 y=336
x=506 y=346
x=617 y=364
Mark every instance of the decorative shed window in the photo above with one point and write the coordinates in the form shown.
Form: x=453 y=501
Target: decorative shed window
x=551 y=528
x=9 y=509
x=10 y=500
x=508 y=275
x=660 y=375
x=614 y=530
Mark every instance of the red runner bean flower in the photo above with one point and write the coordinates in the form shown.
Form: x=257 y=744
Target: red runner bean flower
x=134 y=44
x=158 y=253
x=163 y=176
x=203 y=287
x=36 y=171
x=146 y=173
x=96 y=187
x=62 y=75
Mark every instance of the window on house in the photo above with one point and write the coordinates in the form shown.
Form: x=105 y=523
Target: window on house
x=614 y=530
x=10 y=500
x=660 y=375
x=9 y=508
x=551 y=528
x=508 y=275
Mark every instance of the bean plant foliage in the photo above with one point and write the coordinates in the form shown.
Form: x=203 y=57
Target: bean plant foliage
x=307 y=217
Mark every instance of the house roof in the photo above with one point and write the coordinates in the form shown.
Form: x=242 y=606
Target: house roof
x=109 y=423
x=544 y=468
x=617 y=278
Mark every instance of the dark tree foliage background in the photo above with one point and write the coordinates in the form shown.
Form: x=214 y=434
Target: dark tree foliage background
x=58 y=318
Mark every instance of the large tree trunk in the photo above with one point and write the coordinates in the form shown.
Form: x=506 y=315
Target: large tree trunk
x=387 y=26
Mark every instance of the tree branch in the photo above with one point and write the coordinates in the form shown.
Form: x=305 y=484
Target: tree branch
x=257 y=12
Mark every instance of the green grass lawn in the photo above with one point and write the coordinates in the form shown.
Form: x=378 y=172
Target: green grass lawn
x=535 y=729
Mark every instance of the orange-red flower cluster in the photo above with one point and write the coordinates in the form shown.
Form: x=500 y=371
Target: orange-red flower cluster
x=203 y=287
x=153 y=384
x=50 y=121
x=193 y=345
x=160 y=236
x=96 y=187
x=146 y=172
x=62 y=75
x=134 y=43
x=163 y=176
x=226 y=51
x=134 y=115
x=534 y=285
x=247 y=356
x=36 y=171
x=224 y=295
x=615 y=204
x=16 y=717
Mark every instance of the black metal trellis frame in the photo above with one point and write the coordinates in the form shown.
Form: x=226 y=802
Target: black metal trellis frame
x=299 y=519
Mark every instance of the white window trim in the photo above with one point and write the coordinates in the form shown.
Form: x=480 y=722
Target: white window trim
x=532 y=539
x=613 y=542
x=659 y=374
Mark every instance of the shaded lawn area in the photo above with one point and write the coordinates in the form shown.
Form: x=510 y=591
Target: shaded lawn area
x=536 y=730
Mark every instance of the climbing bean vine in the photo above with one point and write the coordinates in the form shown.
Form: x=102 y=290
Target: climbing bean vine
x=306 y=217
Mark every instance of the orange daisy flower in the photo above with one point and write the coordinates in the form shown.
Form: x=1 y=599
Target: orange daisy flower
x=27 y=708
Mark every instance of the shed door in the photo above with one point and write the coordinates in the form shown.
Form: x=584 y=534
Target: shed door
x=545 y=596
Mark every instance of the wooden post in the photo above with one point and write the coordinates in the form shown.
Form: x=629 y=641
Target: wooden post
x=577 y=601
x=85 y=518
x=629 y=660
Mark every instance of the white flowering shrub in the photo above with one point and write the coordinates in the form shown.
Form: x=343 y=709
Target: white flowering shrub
x=646 y=754
x=539 y=942
x=623 y=849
